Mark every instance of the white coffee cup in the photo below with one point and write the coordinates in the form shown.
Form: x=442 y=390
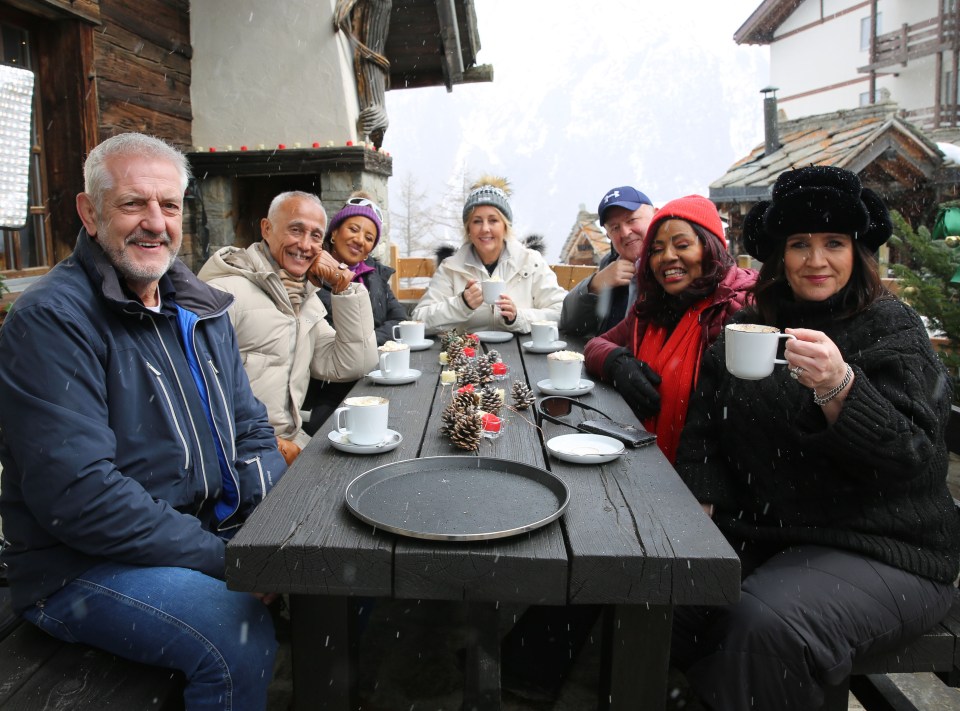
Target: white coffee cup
x=408 y=332
x=544 y=333
x=565 y=368
x=394 y=359
x=491 y=291
x=751 y=349
x=366 y=419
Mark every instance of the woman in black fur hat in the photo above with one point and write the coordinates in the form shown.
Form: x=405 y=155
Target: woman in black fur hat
x=828 y=477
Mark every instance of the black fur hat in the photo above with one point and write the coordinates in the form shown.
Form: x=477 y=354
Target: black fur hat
x=818 y=198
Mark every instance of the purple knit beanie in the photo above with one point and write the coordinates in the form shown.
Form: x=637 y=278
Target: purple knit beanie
x=365 y=208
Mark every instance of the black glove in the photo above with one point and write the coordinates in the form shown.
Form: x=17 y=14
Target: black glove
x=635 y=380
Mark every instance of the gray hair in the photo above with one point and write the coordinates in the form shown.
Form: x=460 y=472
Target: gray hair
x=97 y=178
x=283 y=197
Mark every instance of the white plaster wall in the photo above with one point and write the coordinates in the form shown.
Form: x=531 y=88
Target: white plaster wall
x=829 y=54
x=270 y=73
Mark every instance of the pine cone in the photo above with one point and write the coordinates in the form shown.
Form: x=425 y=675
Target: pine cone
x=491 y=400
x=467 y=432
x=465 y=402
x=484 y=370
x=522 y=396
x=468 y=374
x=454 y=351
x=445 y=338
x=448 y=420
x=493 y=356
x=459 y=361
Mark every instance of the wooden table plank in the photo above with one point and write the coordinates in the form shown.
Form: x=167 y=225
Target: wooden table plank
x=636 y=533
x=528 y=568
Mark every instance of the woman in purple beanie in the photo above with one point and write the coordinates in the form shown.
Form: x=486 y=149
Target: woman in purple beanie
x=351 y=235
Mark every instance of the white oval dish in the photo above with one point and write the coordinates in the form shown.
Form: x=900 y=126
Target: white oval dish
x=585 y=448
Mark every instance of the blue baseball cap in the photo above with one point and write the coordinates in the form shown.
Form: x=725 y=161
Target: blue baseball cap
x=624 y=196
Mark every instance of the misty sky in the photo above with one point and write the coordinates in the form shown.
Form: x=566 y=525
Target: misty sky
x=585 y=97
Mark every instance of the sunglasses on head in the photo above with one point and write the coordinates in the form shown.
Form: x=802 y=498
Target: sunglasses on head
x=364 y=202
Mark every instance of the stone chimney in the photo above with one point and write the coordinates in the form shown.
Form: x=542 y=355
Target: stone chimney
x=771 y=136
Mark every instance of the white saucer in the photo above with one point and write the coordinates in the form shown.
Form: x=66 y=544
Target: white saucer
x=421 y=346
x=555 y=346
x=340 y=441
x=585 y=448
x=585 y=386
x=381 y=379
x=494 y=336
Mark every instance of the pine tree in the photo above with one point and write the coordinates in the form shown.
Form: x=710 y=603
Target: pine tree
x=925 y=274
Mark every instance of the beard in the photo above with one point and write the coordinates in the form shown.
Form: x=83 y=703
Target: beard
x=132 y=270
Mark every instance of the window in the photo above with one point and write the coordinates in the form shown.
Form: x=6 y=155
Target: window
x=865 y=31
x=27 y=249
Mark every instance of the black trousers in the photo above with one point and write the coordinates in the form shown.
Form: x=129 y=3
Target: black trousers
x=804 y=616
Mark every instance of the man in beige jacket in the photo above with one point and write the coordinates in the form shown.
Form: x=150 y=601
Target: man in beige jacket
x=283 y=336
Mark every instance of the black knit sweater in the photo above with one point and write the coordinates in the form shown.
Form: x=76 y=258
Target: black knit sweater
x=874 y=482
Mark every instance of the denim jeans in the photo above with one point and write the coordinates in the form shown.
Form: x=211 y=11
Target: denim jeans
x=223 y=641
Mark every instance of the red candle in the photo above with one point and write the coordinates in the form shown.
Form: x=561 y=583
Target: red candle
x=243 y=148
x=499 y=368
x=468 y=388
x=491 y=423
x=316 y=144
x=349 y=143
x=212 y=149
x=281 y=146
x=469 y=352
x=473 y=337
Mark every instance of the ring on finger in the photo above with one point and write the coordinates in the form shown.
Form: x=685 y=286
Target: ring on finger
x=796 y=372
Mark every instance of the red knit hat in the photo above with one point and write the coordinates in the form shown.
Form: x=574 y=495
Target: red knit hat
x=692 y=208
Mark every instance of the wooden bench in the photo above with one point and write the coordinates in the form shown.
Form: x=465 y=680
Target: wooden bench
x=569 y=275
x=937 y=651
x=38 y=671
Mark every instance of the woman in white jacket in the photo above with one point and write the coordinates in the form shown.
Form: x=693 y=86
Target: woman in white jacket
x=454 y=298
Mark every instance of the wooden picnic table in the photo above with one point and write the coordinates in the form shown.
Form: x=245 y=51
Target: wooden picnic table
x=632 y=539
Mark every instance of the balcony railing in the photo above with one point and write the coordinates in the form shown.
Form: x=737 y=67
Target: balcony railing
x=928 y=117
x=913 y=41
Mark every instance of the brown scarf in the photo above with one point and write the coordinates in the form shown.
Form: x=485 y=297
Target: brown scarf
x=296 y=286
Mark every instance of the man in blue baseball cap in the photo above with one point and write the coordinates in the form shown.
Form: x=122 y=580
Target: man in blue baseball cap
x=600 y=301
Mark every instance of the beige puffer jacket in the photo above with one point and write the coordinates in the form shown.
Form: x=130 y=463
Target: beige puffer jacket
x=530 y=282
x=281 y=350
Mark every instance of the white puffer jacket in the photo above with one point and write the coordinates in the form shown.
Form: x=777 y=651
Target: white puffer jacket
x=530 y=282
x=282 y=350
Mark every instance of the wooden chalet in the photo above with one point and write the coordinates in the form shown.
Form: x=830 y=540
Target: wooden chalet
x=103 y=67
x=891 y=156
x=587 y=243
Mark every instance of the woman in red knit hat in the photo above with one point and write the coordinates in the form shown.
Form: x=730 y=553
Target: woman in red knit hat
x=688 y=288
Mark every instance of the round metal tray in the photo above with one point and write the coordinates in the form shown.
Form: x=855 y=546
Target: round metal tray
x=457 y=498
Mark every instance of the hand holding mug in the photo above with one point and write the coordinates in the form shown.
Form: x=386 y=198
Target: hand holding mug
x=472 y=294
x=814 y=359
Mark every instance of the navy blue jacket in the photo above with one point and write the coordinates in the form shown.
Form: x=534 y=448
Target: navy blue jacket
x=105 y=439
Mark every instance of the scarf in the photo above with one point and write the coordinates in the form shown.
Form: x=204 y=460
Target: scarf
x=677 y=360
x=361 y=268
x=296 y=287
